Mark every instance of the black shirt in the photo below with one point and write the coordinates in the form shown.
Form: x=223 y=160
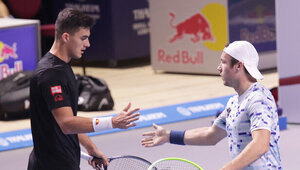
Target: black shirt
x=52 y=86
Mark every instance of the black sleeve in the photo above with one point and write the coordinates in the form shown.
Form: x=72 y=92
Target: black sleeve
x=55 y=90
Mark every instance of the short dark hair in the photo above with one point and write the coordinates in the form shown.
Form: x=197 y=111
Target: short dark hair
x=70 y=20
x=234 y=61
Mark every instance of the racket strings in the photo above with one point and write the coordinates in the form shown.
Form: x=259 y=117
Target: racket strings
x=174 y=165
x=128 y=163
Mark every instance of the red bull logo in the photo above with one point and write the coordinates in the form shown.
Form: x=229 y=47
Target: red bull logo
x=202 y=27
x=5 y=70
x=181 y=56
x=7 y=51
x=196 y=25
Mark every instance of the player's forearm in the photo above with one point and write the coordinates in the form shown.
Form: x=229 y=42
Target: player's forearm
x=196 y=136
x=202 y=136
x=86 y=142
x=71 y=124
x=76 y=124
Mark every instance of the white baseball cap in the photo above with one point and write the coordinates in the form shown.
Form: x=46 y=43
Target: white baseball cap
x=246 y=53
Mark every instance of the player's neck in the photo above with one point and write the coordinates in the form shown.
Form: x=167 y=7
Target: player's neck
x=243 y=86
x=59 y=51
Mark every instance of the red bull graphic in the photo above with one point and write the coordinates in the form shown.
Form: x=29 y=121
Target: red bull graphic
x=5 y=70
x=188 y=36
x=262 y=34
x=254 y=21
x=7 y=51
x=197 y=25
x=19 y=47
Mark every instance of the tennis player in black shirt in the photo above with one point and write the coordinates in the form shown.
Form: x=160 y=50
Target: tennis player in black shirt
x=56 y=129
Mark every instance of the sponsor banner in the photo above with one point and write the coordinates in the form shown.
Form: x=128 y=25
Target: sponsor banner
x=121 y=30
x=160 y=115
x=254 y=21
x=15 y=139
x=188 y=36
x=287 y=29
x=18 y=49
x=178 y=112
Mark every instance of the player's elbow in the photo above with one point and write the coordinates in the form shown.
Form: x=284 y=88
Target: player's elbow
x=214 y=138
x=264 y=148
x=67 y=131
x=210 y=139
x=66 y=128
x=213 y=141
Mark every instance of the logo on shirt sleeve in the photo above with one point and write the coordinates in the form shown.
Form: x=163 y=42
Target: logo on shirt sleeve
x=58 y=97
x=56 y=90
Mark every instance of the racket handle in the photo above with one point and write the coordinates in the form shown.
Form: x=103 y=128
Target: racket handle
x=85 y=156
x=88 y=157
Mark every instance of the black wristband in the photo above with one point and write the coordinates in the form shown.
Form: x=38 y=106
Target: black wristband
x=177 y=137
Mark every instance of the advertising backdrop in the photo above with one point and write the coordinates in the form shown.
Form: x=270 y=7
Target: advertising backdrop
x=19 y=46
x=188 y=36
x=254 y=21
x=121 y=30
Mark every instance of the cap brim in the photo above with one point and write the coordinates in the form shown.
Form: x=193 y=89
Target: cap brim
x=254 y=72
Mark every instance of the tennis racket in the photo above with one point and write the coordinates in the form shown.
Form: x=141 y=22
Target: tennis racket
x=174 y=164
x=120 y=162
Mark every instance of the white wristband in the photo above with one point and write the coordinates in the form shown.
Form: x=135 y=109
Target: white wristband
x=102 y=123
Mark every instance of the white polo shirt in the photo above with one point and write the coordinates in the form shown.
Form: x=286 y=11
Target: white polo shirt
x=254 y=109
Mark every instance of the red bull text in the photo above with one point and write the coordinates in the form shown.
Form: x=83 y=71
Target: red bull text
x=181 y=56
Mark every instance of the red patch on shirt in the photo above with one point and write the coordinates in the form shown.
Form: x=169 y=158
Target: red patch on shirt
x=97 y=121
x=55 y=90
x=58 y=97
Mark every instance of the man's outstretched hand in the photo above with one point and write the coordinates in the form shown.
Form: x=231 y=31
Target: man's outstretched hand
x=157 y=137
